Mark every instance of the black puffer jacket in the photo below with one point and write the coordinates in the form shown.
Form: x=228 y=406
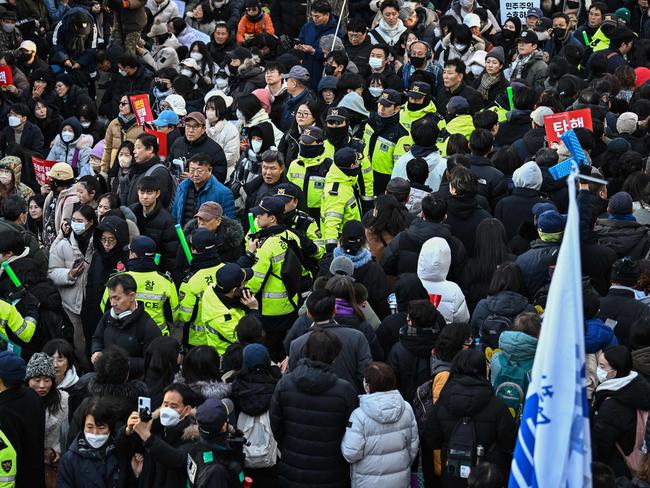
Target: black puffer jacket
x=463 y=216
x=289 y=16
x=467 y=396
x=252 y=390
x=530 y=143
x=309 y=412
x=492 y=183
x=515 y=210
x=613 y=419
x=627 y=238
x=159 y=225
x=621 y=309
x=507 y=303
x=517 y=124
x=160 y=173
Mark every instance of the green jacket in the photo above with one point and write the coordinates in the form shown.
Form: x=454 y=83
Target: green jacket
x=463 y=124
x=219 y=321
x=340 y=203
x=308 y=174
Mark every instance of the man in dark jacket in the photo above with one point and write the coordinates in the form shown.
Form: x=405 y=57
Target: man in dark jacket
x=271 y=175
x=453 y=78
x=354 y=357
x=196 y=142
x=309 y=411
x=620 y=231
x=619 y=309
x=299 y=93
x=147 y=163
x=28 y=62
x=289 y=16
x=126 y=324
x=22 y=420
x=535 y=138
x=518 y=121
x=132 y=77
x=357 y=44
x=401 y=254
x=22 y=132
x=491 y=182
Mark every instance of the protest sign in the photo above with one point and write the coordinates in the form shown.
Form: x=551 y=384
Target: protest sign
x=558 y=124
x=162 y=141
x=516 y=8
x=141 y=108
x=41 y=167
x=6 y=78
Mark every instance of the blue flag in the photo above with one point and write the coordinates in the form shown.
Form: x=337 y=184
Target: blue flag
x=554 y=446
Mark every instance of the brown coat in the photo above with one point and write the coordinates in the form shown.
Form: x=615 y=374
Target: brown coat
x=114 y=138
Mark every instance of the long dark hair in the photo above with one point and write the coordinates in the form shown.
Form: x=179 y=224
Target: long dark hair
x=343 y=287
x=391 y=217
x=201 y=364
x=490 y=250
x=161 y=362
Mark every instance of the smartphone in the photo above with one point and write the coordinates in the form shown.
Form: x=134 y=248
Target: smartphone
x=77 y=262
x=144 y=408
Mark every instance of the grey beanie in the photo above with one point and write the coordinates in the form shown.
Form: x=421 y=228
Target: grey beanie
x=40 y=364
x=498 y=54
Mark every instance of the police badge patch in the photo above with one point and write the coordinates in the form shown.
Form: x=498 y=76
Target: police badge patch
x=6 y=466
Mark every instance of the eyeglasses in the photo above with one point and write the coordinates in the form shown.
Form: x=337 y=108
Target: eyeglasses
x=122 y=104
x=303 y=114
x=108 y=240
x=193 y=126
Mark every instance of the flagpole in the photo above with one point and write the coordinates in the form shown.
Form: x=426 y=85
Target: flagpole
x=338 y=25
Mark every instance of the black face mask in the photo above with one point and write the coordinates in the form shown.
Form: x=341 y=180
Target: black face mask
x=329 y=69
x=416 y=106
x=351 y=171
x=233 y=69
x=162 y=86
x=337 y=135
x=309 y=151
x=508 y=35
x=559 y=33
x=417 y=61
x=24 y=57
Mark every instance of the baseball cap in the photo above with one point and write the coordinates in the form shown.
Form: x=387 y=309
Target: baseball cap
x=211 y=415
x=165 y=118
x=624 y=14
x=256 y=355
x=143 y=246
x=627 y=123
x=353 y=232
x=535 y=12
x=528 y=37
x=457 y=104
x=398 y=186
x=472 y=20
x=28 y=46
x=209 y=211
x=337 y=114
x=269 y=205
x=550 y=222
x=419 y=89
x=61 y=172
x=345 y=157
x=240 y=53
x=390 y=97
x=287 y=191
x=202 y=239
x=540 y=208
x=298 y=72
x=312 y=134
x=231 y=275
x=342 y=265
x=191 y=63
x=539 y=113
x=196 y=116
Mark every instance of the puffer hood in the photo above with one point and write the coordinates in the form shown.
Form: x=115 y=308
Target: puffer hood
x=632 y=391
x=519 y=346
x=508 y=303
x=465 y=396
x=118 y=227
x=528 y=176
x=14 y=164
x=434 y=260
x=384 y=407
x=313 y=376
x=641 y=360
x=420 y=342
x=597 y=336
x=422 y=230
x=76 y=127
x=409 y=287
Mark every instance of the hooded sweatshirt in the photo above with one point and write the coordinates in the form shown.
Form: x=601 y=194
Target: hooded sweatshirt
x=433 y=267
x=76 y=152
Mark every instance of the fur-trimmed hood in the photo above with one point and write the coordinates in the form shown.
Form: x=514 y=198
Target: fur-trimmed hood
x=209 y=389
x=131 y=389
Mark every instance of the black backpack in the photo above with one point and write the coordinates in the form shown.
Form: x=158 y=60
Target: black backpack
x=461 y=449
x=207 y=466
x=492 y=328
x=291 y=271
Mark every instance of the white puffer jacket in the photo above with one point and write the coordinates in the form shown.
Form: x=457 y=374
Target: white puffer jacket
x=381 y=441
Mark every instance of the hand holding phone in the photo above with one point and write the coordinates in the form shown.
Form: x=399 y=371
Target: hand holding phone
x=144 y=408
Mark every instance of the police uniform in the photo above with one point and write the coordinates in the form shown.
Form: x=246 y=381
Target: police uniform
x=8 y=462
x=461 y=124
x=418 y=89
x=301 y=222
x=10 y=317
x=205 y=264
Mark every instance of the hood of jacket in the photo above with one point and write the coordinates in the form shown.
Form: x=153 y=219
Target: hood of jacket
x=391 y=33
x=434 y=260
x=116 y=226
x=409 y=287
x=631 y=390
x=422 y=230
x=258 y=118
x=641 y=360
x=463 y=207
x=528 y=175
x=420 y=342
x=465 y=396
x=597 y=335
x=130 y=390
x=14 y=164
x=508 y=303
x=384 y=407
x=519 y=346
x=252 y=390
x=313 y=377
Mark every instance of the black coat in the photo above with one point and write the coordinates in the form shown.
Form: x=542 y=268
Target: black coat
x=620 y=309
x=514 y=128
x=466 y=396
x=133 y=334
x=140 y=82
x=30 y=140
x=506 y=303
x=597 y=263
x=516 y=210
x=138 y=170
x=613 y=421
x=492 y=184
x=464 y=90
x=534 y=264
x=252 y=390
x=627 y=238
x=463 y=216
x=288 y=16
x=401 y=254
x=22 y=418
x=530 y=143
x=309 y=412
x=94 y=468
x=160 y=226
x=184 y=149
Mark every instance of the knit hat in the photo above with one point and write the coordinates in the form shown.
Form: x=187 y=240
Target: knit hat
x=353 y=233
x=528 y=176
x=12 y=366
x=551 y=222
x=98 y=150
x=625 y=271
x=539 y=208
x=618 y=145
x=627 y=122
x=65 y=79
x=265 y=98
x=624 y=15
x=620 y=204
x=256 y=355
x=40 y=364
x=177 y=103
x=642 y=75
x=342 y=265
x=353 y=102
x=538 y=115
x=498 y=54
x=157 y=29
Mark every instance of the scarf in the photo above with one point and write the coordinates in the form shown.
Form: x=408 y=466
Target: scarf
x=626 y=217
x=343 y=307
x=550 y=236
x=361 y=258
x=519 y=65
x=393 y=33
x=126 y=121
x=487 y=82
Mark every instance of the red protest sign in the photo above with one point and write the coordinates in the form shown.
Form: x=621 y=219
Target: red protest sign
x=162 y=140
x=558 y=124
x=41 y=167
x=6 y=77
x=141 y=108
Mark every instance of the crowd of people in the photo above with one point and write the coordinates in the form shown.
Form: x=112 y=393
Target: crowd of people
x=319 y=257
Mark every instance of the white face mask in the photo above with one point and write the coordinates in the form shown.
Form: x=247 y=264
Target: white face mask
x=85 y=125
x=96 y=440
x=375 y=63
x=14 y=120
x=5 y=179
x=169 y=417
x=476 y=69
x=196 y=56
x=125 y=161
x=187 y=72
x=460 y=47
x=78 y=227
x=221 y=83
x=211 y=115
x=67 y=136
x=375 y=91
x=257 y=145
x=602 y=374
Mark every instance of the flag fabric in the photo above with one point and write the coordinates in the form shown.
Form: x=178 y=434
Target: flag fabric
x=553 y=445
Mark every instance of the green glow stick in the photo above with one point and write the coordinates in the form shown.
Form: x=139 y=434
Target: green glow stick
x=12 y=276
x=585 y=37
x=156 y=259
x=510 y=100
x=251 y=223
x=181 y=238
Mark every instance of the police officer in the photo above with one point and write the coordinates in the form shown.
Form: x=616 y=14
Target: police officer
x=341 y=200
x=309 y=170
x=383 y=136
x=155 y=291
x=224 y=304
x=270 y=245
x=10 y=317
x=338 y=136
x=205 y=263
x=8 y=462
x=419 y=105
x=458 y=121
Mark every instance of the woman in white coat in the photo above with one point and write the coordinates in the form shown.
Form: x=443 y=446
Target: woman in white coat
x=68 y=266
x=219 y=129
x=381 y=439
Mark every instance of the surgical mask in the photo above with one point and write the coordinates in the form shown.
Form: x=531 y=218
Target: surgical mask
x=125 y=161
x=256 y=146
x=602 y=374
x=96 y=440
x=311 y=151
x=211 y=115
x=85 y=125
x=8 y=27
x=329 y=69
x=476 y=69
x=196 y=56
x=187 y=72
x=375 y=91
x=169 y=417
x=78 y=227
x=67 y=136
x=375 y=63
x=219 y=4
x=5 y=178
x=460 y=47
x=221 y=83
x=14 y=120
x=417 y=61
x=122 y=72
